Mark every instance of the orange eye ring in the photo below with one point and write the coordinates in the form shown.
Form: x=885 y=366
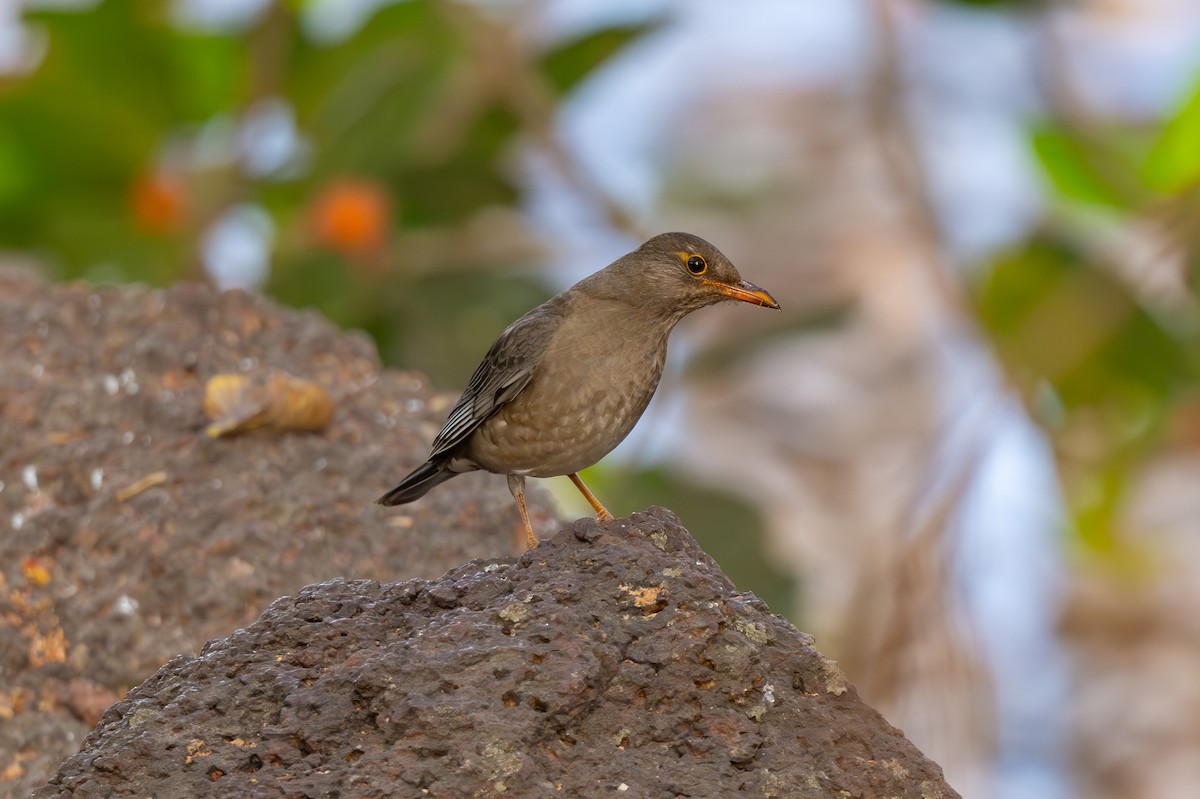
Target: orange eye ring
x=696 y=265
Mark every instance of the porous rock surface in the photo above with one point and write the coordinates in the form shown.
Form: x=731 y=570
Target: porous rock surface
x=128 y=537
x=614 y=660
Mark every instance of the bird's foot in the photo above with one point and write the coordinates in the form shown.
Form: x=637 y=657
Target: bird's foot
x=602 y=513
x=516 y=484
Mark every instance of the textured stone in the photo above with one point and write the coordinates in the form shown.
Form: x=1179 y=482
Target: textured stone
x=127 y=536
x=614 y=660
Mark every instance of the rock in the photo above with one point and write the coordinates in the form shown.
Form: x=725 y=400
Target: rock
x=127 y=536
x=614 y=660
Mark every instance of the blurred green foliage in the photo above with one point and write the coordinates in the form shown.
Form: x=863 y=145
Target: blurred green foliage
x=1091 y=166
x=1057 y=317
x=77 y=133
x=1108 y=366
x=132 y=137
x=1173 y=162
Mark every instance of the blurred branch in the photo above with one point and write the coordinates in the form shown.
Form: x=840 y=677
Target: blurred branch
x=269 y=44
x=901 y=155
x=1179 y=222
x=911 y=649
x=514 y=75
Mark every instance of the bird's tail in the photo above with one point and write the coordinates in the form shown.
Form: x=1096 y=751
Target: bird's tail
x=416 y=484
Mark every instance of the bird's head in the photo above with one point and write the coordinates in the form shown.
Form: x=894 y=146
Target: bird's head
x=677 y=273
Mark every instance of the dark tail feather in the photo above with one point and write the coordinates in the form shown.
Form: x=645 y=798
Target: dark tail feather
x=416 y=485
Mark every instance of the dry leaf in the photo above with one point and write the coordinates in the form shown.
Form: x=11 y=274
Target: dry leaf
x=36 y=572
x=268 y=398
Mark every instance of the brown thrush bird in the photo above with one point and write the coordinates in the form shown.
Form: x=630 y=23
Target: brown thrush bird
x=565 y=383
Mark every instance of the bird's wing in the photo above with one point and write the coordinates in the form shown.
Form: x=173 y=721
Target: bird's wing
x=504 y=371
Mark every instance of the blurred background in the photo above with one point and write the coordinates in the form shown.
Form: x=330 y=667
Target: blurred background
x=965 y=456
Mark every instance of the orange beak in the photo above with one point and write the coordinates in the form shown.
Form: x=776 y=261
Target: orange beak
x=745 y=291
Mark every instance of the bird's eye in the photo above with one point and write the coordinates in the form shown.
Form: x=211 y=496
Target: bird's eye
x=697 y=265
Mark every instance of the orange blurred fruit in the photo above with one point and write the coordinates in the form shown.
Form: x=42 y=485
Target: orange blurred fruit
x=157 y=202
x=351 y=215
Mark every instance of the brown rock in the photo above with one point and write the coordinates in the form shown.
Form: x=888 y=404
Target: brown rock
x=614 y=660
x=128 y=536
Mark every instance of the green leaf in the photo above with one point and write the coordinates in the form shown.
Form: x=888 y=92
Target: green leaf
x=1097 y=504
x=1055 y=316
x=366 y=101
x=18 y=177
x=1097 y=168
x=567 y=65
x=1174 y=160
x=335 y=85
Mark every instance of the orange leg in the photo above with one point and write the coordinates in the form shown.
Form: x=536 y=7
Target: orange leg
x=601 y=512
x=516 y=486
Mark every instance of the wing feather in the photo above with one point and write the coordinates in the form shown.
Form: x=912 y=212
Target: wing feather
x=505 y=370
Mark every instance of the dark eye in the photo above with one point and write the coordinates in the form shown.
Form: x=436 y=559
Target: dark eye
x=697 y=265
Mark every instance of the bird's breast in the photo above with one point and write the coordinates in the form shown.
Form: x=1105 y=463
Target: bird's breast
x=587 y=392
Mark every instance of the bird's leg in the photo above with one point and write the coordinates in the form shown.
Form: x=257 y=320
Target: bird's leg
x=601 y=512
x=516 y=485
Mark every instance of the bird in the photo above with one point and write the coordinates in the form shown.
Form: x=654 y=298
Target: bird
x=567 y=382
